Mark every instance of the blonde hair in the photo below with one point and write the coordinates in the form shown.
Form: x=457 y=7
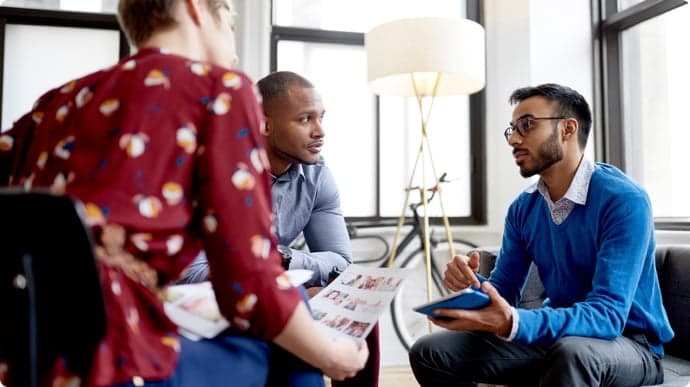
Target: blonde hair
x=139 y=19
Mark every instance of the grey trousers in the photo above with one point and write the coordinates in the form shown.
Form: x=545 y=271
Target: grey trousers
x=465 y=358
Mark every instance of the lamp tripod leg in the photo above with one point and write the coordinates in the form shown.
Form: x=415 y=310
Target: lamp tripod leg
x=401 y=219
x=444 y=217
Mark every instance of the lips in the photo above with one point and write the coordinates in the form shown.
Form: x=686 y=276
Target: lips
x=315 y=146
x=520 y=155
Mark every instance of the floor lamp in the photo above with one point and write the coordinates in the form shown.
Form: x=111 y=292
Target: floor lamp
x=425 y=58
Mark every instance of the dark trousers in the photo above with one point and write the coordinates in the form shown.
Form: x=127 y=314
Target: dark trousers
x=369 y=375
x=465 y=358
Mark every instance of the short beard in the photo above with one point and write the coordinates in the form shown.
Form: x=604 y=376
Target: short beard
x=292 y=158
x=549 y=153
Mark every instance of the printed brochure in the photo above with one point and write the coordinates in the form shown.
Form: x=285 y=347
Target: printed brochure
x=351 y=304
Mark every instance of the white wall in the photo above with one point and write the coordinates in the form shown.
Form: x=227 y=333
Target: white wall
x=528 y=42
x=253 y=31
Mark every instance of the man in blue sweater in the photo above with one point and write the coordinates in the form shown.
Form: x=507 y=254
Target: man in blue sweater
x=589 y=230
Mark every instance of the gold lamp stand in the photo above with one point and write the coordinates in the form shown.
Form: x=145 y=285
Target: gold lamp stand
x=424 y=153
x=408 y=57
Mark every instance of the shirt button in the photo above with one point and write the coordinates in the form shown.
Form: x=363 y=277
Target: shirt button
x=138 y=381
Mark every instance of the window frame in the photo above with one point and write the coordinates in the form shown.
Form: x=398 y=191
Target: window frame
x=51 y=18
x=477 y=117
x=609 y=23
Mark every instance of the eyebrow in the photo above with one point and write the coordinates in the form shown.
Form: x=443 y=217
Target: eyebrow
x=526 y=116
x=312 y=111
x=521 y=117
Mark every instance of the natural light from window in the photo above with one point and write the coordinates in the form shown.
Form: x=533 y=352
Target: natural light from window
x=358 y=15
x=655 y=57
x=100 y=6
x=339 y=73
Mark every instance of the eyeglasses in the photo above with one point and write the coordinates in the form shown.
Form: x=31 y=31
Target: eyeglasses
x=524 y=124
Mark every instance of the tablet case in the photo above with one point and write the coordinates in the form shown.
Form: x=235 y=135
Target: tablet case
x=465 y=299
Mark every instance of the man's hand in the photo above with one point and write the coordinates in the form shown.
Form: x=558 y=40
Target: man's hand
x=312 y=291
x=497 y=317
x=460 y=272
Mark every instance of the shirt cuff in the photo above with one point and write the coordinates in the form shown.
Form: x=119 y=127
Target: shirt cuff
x=514 y=327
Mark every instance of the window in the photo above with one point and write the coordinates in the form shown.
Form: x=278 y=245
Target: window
x=33 y=38
x=105 y=6
x=644 y=87
x=377 y=138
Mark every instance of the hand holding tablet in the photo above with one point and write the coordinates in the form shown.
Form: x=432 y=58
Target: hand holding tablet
x=468 y=298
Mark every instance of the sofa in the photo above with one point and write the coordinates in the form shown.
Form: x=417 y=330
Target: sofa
x=673 y=270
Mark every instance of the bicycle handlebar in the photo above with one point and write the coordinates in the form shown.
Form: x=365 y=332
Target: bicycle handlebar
x=433 y=189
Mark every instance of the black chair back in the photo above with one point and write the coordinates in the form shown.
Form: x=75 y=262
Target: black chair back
x=50 y=293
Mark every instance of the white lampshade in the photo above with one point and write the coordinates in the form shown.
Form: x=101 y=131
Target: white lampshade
x=426 y=47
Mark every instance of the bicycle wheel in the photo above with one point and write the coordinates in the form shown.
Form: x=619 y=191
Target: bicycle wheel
x=408 y=324
x=368 y=249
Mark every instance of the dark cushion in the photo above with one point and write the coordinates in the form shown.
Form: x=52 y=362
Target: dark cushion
x=533 y=294
x=673 y=268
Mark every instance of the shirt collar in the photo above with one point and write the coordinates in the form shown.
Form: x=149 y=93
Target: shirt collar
x=294 y=171
x=577 y=192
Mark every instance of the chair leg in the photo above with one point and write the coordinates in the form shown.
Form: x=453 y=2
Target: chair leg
x=30 y=286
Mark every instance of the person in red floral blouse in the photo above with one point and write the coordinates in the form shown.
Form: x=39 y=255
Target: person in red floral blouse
x=164 y=151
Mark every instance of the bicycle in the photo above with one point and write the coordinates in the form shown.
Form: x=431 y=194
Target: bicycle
x=408 y=324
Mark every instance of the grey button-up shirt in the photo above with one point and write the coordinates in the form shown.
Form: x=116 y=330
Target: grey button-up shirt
x=305 y=200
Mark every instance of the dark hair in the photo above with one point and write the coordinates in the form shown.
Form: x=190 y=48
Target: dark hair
x=139 y=19
x=570 y=103
x=275 y=85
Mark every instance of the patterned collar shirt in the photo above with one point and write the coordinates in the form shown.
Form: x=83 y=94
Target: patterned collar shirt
x=576 y=193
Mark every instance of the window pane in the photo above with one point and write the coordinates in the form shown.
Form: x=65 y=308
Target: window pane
x=339 y=74
x=103 y=6
x=623 y=4
x=25 y=77
x=358 y=15
x=448 y=134
x=655 y=57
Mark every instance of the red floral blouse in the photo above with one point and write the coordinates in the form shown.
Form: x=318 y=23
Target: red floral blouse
x=169 y=149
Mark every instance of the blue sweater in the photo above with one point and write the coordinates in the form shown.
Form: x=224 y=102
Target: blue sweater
x=597 y=266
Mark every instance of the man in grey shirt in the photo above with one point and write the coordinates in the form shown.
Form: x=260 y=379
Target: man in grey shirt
x=305 y=196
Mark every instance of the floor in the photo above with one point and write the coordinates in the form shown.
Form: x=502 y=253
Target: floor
x=397 y=376
x=394 y=376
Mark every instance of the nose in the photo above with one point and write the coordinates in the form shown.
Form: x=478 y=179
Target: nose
x=317 y=130
x=514 y=138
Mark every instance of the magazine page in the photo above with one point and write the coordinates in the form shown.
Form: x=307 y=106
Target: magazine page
x=351 y=304
x=194 y=309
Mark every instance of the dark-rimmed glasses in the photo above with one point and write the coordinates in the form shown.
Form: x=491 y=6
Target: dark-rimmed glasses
x=523 y=125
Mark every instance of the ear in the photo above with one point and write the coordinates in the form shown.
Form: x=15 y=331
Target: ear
x=570 y=128
x=268 y=126
x=194 y=10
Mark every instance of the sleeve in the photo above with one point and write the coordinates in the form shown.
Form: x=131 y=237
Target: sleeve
x=13 y=148
x=197 y=271
x=627 y=229
x=15 y=143
x=252 y=291
x=512 y=263
x=6 y=152
x=325 y=234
